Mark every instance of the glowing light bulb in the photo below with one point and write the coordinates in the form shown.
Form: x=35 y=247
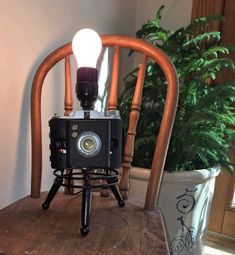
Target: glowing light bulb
x=86 y=46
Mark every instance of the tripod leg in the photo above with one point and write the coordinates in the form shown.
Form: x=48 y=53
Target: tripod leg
x=55 y=187
x=115 y=190
x=86 y=196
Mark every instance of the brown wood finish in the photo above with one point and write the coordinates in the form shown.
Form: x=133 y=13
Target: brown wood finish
x=130 y=140
x=27 y=229
x=219 y=202
x=228 y=36
x=167 y=122
x=112 y=104
x=231 y=191
x=68 y=98
x=229 y=224
x=163 y=140
x=208 y=7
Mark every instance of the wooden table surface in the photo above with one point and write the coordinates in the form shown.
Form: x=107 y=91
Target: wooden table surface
x=27 y=229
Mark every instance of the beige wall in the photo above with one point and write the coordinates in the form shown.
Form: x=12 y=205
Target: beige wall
x=29 y=31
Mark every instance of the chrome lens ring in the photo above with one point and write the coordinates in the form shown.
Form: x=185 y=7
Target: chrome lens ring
x=88 y=144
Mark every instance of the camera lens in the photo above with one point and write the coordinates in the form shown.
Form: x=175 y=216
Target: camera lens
x=88 y=144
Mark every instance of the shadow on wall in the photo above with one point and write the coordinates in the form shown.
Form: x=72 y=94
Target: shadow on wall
x=52 y=102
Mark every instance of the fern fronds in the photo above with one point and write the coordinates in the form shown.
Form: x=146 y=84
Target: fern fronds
x=214 y=51
x=202 y=22
x=200 y=38
x=204 y=128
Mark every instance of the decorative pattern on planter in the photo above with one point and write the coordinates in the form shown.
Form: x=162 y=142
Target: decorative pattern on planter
x=187 y=237
x=186 y=194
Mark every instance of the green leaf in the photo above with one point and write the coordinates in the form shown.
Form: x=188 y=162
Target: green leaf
x=200 y=38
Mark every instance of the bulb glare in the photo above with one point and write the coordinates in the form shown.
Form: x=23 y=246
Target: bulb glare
x=86 y=46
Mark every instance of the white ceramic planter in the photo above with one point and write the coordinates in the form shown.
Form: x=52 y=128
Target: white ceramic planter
x=185 y=200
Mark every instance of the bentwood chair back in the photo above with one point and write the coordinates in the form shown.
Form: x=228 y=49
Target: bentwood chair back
x=117 y=42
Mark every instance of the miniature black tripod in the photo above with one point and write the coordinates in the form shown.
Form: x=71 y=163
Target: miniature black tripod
x=89 y=178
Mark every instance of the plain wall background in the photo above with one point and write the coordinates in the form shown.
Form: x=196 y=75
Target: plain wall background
x=29 y=31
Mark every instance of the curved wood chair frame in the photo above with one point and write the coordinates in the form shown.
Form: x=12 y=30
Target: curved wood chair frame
x=116 y=41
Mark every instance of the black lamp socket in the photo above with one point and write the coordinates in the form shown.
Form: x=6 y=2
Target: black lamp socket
x=87 y=87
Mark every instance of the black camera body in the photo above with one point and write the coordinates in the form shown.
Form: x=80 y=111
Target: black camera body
x=86 y=139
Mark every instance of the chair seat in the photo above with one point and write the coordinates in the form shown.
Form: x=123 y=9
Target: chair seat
x=27 y=229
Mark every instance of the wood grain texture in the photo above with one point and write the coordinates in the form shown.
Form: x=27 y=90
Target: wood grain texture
x=227 y=36
x=202 y=8
x=27 y=229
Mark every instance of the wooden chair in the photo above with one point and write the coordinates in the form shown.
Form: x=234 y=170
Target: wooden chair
x=26 y=228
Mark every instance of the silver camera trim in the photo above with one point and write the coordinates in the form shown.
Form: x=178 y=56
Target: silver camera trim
x=108 y=115
x=88 y=135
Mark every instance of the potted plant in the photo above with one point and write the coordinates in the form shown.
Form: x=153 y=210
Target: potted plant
x=203 y=132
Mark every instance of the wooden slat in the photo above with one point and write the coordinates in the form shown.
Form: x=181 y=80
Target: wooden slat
x=134 y=116
x=112 y=104
x=68 y=99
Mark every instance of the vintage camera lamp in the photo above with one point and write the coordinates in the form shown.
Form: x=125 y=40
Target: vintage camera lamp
x=87 y=143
